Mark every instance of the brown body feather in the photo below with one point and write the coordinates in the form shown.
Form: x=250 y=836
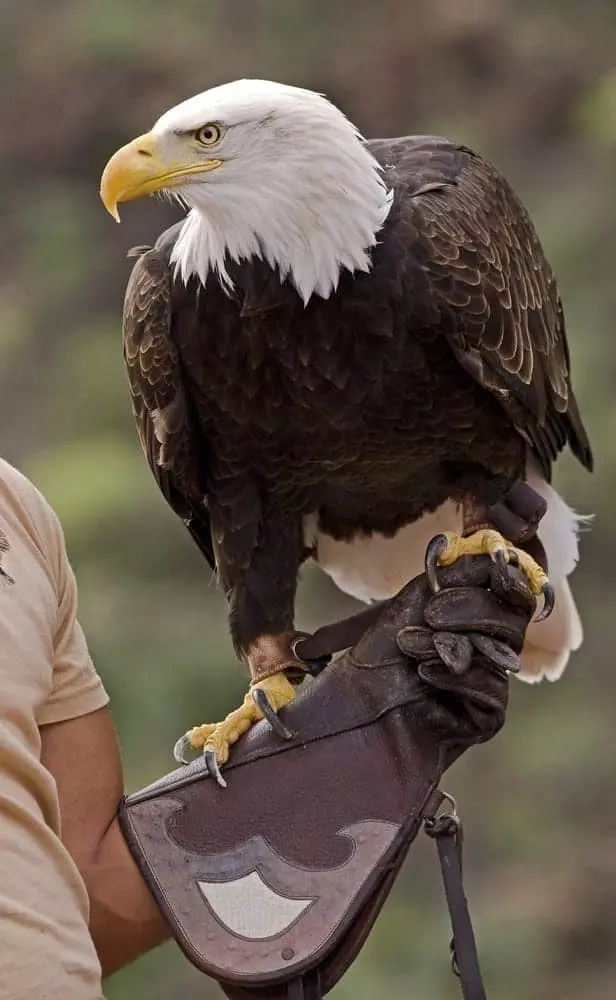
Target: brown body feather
x=431 y=377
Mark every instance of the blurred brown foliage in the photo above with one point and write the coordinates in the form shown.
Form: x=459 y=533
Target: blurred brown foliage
x=532 y=84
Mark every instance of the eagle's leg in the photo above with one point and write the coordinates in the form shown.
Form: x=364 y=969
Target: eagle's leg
x=268 y=658
x=261 y=599
x=518 y=515
x=264 y=699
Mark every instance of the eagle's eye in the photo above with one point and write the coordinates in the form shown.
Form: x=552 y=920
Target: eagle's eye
x=208 y=135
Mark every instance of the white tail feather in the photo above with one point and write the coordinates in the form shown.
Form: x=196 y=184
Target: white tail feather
x=549 y=644
x=375 y=568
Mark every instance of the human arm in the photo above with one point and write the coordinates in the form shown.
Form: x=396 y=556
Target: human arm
x=82 y=755
x=79 y=748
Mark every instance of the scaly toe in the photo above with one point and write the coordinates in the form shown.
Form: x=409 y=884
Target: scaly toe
x=199 y=735
x=447 y=548
x=269 y=696
x=219 y=742
x=269 y=714
x=215 y=739
x=194 y=739
x=533 y=572
x=538 y=582
x=504 y=553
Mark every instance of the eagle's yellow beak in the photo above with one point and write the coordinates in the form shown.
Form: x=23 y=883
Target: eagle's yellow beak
x=139 y=168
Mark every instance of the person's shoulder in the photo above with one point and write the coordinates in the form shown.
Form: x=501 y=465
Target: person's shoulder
x=23 y=504
x=16 y=481
x=16 y=486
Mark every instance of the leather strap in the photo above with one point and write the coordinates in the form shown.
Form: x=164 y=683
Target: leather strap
x=447 y=831
x=306 y=987
x=339 y=635
x=317 y=649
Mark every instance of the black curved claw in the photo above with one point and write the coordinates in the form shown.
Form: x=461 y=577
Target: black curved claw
x=212 y=767
x=261 y=701
x=501 y=566
x=514 y=559
x=549 y=600
x=437 y=545
x=180 y=748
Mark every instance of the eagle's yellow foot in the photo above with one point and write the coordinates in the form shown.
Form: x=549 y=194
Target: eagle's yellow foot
x=447 y=548
x=264 y=700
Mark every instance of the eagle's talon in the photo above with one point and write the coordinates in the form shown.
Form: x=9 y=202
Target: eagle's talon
x=215 y=739
x=269 y=714
x=501 y=559
x=447 y=548
x=514 y=559
x=180 y=748
x=437 y=545
x=213 y=769
x=499 y=555
x=549 y=600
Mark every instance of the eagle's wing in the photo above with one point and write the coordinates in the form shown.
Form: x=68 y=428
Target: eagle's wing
x=169 y=437
x=479 y=275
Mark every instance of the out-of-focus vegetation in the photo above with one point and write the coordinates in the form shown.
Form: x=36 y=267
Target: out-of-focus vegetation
x=531 y=84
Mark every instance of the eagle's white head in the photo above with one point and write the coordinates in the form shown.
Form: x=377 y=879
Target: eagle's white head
x=267 y=170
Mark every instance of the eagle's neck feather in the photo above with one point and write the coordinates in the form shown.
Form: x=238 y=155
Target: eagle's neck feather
x=311 y=214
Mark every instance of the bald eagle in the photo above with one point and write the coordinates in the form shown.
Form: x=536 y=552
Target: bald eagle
x=346 y=348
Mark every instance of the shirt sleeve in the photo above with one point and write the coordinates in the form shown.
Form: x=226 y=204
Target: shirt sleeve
x=76 y=686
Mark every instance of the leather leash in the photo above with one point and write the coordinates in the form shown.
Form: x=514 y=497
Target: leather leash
x=446 y=829
x=318 y=647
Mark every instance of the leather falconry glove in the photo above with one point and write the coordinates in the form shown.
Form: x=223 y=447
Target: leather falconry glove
x=273 y=886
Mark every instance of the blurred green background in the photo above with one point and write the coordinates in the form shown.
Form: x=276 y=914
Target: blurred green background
x=532 y=84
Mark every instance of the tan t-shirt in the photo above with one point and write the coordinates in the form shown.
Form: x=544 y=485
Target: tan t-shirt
x=46 y=675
